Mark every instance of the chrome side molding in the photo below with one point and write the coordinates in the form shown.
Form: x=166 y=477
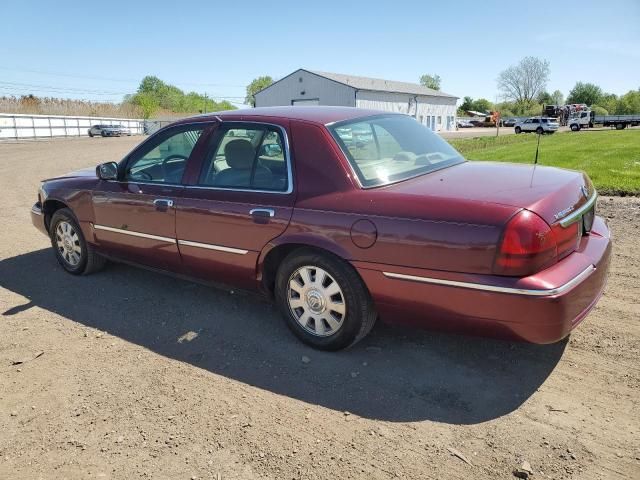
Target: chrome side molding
x=134 y=234
x=492 y=288
x=210 y=246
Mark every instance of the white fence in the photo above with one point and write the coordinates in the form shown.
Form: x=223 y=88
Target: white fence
x=18 y=126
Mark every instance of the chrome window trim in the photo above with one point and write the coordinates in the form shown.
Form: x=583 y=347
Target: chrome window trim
x=491 y=288
x=575 y=216
x=210 y=246
x=134 y=234
x=288 y=161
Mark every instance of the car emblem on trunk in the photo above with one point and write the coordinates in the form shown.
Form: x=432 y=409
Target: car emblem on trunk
x=584 y=190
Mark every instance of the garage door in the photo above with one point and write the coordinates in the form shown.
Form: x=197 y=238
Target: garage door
x=305 y=102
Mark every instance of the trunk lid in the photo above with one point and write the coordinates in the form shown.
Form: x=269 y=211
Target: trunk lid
x=552 y=193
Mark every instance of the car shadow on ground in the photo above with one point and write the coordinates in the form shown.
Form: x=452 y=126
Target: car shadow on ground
x=395 y=374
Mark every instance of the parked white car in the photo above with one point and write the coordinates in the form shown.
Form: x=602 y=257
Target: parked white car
x=538 y=125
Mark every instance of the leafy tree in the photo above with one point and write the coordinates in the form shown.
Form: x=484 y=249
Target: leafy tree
x=482 y=105
x=558 y=98
x=587 y=93
x=147 y=103
x=609 y=102
x=153 y=94
x=523 y=82
x=629 y=103
x=430 y=81
x=544 y=98
x=598 y=110
x=467 y=104
x=255 y=86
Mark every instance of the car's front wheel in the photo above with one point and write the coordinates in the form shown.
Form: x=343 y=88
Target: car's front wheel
x=539 y=131
x=518 y=130
x=575 y=128
x=323 y=300
x=72 y=251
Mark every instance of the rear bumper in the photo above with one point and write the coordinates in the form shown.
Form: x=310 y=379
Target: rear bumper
x=542 y=308
x=37 y=218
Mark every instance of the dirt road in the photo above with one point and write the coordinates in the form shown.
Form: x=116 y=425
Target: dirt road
x=146 y=376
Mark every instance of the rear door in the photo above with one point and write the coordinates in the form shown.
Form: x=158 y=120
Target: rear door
x=241 y=198
x=135 y=217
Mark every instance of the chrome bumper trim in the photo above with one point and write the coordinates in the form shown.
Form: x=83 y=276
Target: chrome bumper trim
x=36 y=210
x=491 y=288
x=575 y=216
x=209 y=246
x=134 y=234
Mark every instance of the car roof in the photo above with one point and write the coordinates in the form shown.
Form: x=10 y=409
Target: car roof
x=316 y=114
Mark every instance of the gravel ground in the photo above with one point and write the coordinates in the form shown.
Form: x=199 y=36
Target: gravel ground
x=131 y=374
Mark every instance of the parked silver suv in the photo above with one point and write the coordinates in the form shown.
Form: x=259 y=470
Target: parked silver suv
x=538 y=125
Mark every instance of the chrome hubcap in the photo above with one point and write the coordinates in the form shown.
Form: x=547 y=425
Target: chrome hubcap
x=316 y=301
x=68 y=243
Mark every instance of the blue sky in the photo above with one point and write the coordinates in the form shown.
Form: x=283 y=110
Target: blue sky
x=101 y=50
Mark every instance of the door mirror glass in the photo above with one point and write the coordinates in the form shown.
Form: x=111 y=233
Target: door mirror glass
x=107 y=171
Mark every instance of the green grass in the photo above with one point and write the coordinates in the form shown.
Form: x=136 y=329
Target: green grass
x=611 y=158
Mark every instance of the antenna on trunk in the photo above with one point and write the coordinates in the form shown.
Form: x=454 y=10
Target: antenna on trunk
x=535 y=162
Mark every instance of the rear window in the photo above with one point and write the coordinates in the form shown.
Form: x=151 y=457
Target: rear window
x=388 y=149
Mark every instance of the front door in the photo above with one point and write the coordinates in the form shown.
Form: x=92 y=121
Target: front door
x=241 y=199
x=135 y=216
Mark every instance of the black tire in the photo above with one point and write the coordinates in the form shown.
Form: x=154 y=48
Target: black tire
x=359 y=316
x=620 y=126
x=103 y=134
x=575 y=128
x=90 y=134
x=518 y=130
x=89 y=261
x=539 y=131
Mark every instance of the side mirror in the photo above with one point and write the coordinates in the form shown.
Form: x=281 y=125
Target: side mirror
x=107 y=171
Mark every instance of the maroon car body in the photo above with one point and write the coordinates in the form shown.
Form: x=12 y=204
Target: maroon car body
x=425 y=247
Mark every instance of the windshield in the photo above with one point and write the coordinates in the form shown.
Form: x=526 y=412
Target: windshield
x=387 y=149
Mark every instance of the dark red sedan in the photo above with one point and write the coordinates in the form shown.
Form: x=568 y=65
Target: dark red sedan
x=342 y=215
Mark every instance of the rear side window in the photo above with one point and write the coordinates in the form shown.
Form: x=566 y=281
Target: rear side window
x=251 y=157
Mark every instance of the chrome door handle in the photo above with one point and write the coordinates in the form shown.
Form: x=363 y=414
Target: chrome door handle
x=262 y=212
x=163 y=203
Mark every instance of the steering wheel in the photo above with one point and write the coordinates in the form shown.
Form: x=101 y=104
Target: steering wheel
x=166 y=170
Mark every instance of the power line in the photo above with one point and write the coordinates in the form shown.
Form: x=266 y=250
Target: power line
x=108 y=79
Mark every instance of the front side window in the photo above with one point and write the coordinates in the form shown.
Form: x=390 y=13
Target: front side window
x=387 y=149
x=164 y=160
x=251 y=158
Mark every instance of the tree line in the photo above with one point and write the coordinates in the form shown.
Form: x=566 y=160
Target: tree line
x=523 y=88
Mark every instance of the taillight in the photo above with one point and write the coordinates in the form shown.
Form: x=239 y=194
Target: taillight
x=528 y=245
x=567 y=238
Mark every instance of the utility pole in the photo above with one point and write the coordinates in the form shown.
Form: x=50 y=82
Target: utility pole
x=205 y=102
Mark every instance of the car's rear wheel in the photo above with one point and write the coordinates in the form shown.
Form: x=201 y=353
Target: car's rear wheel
x=72 y=251
x=323 y=300
x=518 y=130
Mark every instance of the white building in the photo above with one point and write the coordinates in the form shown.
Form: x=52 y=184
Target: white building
x=433 y=108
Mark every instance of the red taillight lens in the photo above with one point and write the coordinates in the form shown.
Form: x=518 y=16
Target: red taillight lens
x=567 y=238
x=528 y=245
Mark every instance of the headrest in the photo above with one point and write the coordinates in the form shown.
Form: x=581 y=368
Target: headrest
x=239 y=154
